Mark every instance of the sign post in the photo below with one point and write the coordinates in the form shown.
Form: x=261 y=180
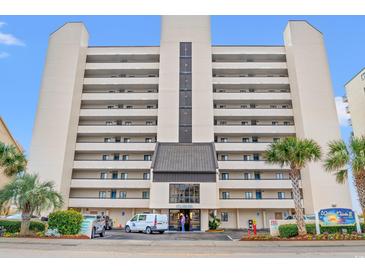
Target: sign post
x=318 y=229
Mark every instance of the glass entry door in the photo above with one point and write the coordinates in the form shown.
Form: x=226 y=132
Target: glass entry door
x=192 y=219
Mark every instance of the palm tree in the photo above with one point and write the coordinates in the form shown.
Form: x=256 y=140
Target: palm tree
x=31 y=197
x=340 y=157
x=11 y=159
x=294 y=153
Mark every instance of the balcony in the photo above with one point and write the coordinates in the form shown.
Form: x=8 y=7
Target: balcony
x=111 y=164
x=249 y=66
x=104 y=129
x=125 y=96
x=255 y=184
x=93 y=146
x=256 y=203
x=250 y=129
x=110 y=183
x=250 y=81
x=241 y=146
x=253 y=112
x=143 y=53
x=121 y=66
x=252 y=96
x=121 y=81
x=250 y=52
x=119 y=112
x=247 y=165
x=108 y=203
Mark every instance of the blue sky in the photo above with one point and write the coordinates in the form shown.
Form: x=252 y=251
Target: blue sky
x=23 y=45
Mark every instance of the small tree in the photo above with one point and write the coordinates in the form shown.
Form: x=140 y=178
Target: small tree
x=294 y=153
x=340 y=157
x=31 y=197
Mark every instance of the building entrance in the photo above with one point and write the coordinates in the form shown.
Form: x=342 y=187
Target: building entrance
x=192 y=219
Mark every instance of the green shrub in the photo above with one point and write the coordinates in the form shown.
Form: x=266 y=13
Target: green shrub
x=67 y=222
x=13 y=226
x=291 y=230
x=214 y=223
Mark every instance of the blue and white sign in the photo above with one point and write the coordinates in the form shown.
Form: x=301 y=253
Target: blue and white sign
x=336 y=217
x=86 y=227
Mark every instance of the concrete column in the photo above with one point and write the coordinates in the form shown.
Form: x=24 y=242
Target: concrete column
x=264 y=220
x=55 y=126
x=238 y=218
x=204 y=219
x=194 y=29
x=314 y=111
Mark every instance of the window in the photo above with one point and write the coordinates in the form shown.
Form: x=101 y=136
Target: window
x=257 y=175
x=128 y=123
x=286 y=123
x=145 y=195
x=124 y=176
x=224 y=216
x=109 y=123
x=274 y=123
x=103 y=175
x=134 y=218
x=276 y=140
x=105 y=157
x=244 y=123
x=110 y=107
x=246 y=176
x=224 y=157
x=245 y=140
x=147 y=157
x=107 y=140
x=253 y=122
x=243 y=106
x=246 y=157
x=279 y=175
x=126 y=140
x=116 y=157
x=225 y=195
x=222 y=106
x=113 y=194
x=125 y=157
x=123 y=195
x=256 y=157
x=255 y=139
x=281 y=195
x=149 y=123
x=248 y=195
x=102 y=194
x=273 y=106
x=114 y=175
x=146 y=176
x=148 y=140
x=224 y=140
x=225 y=176
x=258 y=194
x=284 y=106
x=252 y=105
x=129 y=107
x=117 y=139
x=184 y=193
x=222 y=123
x=142 y=217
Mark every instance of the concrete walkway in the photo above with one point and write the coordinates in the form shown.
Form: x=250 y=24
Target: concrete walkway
x=141 y=248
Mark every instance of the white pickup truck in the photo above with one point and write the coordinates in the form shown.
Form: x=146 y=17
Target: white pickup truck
x=98 y=225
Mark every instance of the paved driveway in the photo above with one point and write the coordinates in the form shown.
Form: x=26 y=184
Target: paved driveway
x=117 y=234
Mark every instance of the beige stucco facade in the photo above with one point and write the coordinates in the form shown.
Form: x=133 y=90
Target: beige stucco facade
x=355 y=91
x=102 y=109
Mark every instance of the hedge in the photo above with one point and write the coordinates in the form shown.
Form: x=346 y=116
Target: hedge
x=291 y=230
x=13 y=226
x=67 y=222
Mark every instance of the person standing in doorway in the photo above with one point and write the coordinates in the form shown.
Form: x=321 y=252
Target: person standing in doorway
x=182 y=223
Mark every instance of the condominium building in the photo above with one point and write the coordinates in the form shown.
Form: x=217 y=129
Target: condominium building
x=355 y=91
x=181 y=128
x=7 y=138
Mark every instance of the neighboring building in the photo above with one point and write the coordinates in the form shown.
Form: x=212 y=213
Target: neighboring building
x=182 y=127
x=6 y=138
x=355 y=90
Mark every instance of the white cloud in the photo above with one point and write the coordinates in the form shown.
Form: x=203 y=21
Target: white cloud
x=2 y=24
x=4 y=54
x=10 y=40
x=342 y=114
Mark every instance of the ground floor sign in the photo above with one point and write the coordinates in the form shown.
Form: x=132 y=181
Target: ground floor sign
x=336 y=217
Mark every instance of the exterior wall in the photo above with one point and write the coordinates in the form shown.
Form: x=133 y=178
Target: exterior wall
x=355 y=90
x=54 y=132
x=314 y=111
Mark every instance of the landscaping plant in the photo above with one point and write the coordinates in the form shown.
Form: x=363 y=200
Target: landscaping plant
x=67 y=222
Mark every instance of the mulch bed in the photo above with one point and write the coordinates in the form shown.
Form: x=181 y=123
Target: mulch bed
x=333 y=237
x=75 y=237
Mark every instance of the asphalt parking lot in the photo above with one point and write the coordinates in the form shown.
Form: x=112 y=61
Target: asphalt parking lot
x=118 y=234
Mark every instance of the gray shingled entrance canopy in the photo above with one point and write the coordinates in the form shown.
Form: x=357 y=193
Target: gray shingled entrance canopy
x=184 y=162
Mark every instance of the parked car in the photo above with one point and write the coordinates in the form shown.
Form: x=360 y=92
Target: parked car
x=147 y=223
x=108 y=223
x=310 y=217
x=98 y=225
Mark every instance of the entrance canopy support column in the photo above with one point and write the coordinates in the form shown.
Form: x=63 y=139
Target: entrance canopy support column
x=204 y=219
x=237 y=218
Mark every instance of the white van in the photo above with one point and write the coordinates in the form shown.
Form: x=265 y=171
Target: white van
x=147 y=223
